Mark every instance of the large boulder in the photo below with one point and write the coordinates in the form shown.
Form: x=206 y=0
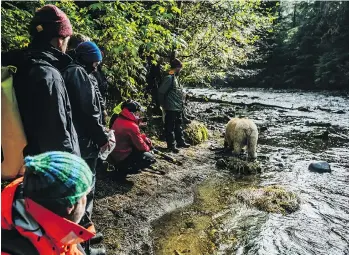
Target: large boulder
x=320 y=167
x=196 y=132
x=274 y=199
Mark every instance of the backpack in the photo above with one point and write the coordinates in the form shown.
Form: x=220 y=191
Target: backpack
x=13 y=138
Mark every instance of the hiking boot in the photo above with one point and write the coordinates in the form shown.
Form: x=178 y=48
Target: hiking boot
x=173 y=149
x=97 y=251
x=97 y=238
x=183 y=145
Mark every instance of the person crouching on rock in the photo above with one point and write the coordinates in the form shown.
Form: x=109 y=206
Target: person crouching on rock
x=131 y=151
x=40 y=211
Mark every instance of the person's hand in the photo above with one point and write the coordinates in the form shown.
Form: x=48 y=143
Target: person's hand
x=148 y=142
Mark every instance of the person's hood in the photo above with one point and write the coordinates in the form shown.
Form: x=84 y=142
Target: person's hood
x=128 y=115
x=57 y=228
x=51 y=55
x=47 y=55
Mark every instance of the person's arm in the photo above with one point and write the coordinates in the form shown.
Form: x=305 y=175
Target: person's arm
x=137 y=139
x=86 y=98
x=95 y=82
x=164 y=89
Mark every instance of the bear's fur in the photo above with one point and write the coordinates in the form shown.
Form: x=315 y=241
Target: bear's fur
x=240 y=133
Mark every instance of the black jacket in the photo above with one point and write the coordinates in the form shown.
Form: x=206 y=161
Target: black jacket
x=43 y=100
x=87 y=115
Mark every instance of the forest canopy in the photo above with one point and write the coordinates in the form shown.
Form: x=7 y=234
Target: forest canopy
x=256 y=43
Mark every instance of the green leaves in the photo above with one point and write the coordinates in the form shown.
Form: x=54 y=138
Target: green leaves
x=211 y=37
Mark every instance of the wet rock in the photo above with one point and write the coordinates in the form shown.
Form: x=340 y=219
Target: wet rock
x=221 y=163
x=317 y=124
x=280 y=164
x=304 y=109
x=219 y=118
x=274 y=199
x=262 y=128
x=320 y=167
x=339 y=112
x=262 y=156
x=196 y=132
x=323 y=135
x=323 y=109
x=209 y=110
x=239 y=166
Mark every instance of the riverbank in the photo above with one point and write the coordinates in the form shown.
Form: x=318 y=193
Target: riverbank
x=194 y=201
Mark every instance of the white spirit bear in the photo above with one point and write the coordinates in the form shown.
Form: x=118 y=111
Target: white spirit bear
x=240 y=133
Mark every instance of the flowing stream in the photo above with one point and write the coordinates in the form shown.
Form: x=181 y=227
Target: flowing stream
x=290 y=139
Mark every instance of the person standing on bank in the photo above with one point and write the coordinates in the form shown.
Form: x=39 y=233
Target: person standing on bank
x=42 y=98
x=86 y=109
x=171 y=99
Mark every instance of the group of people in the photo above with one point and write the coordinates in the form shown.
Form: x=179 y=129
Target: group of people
x=61 y=101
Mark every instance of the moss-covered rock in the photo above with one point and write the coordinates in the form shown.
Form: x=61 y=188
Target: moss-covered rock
x=274 y=199
x=239 y=166
x=196 y=132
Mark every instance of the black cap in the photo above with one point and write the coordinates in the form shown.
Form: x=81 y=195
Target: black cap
x=132 y=106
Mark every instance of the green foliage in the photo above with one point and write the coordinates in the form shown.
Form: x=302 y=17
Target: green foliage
x=211 y=37
x=14 y=26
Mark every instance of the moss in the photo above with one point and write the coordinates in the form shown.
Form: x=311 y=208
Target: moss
x=196 y=132
x=240 y=166
x=274 y=199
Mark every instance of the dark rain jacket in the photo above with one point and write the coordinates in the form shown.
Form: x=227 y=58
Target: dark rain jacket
x=43 y=100
x=171 y=95
x=86 y=107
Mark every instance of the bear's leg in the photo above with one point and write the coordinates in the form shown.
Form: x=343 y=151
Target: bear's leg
x=237 y=147
x=227 y=143
x=252 y=145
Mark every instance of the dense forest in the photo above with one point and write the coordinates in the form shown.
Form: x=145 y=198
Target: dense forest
x=252 y=43
x=309 y=48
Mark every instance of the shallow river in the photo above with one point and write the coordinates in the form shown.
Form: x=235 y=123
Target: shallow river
x=289 y=143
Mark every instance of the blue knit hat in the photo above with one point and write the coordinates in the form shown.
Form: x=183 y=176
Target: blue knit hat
x=88 y=52
x=56 y=177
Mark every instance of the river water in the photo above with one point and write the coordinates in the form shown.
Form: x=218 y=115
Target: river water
x=288 y=142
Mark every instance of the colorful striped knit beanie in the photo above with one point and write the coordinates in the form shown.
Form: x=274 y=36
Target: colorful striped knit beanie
x=56 y=177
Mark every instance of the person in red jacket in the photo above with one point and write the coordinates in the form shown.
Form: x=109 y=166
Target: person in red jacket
x=40 y=211
x=131 y=151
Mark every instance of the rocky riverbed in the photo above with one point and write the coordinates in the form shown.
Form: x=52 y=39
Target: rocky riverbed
x=197 y=208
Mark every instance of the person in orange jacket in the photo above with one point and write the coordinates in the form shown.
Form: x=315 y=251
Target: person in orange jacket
x=131 y=151
x=40 y=211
